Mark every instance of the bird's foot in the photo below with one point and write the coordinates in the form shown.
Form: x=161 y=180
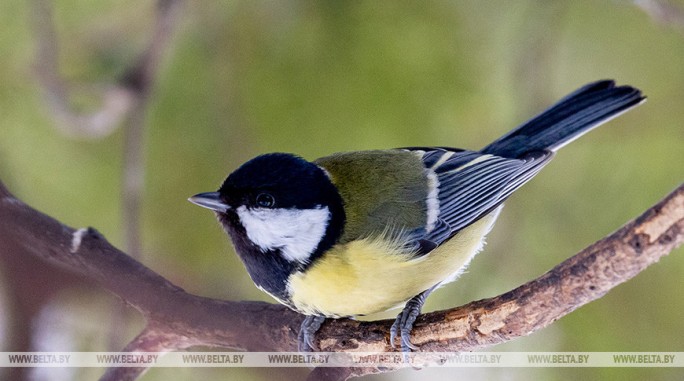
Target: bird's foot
x=404 y=322
x=310 y=325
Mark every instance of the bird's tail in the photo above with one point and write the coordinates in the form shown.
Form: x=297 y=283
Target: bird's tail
x=570 y=118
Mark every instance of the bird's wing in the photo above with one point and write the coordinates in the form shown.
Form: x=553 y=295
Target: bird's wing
x=470 y=185
x=425 y=201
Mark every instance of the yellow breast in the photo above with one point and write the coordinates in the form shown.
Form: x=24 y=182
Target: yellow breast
x=373 y=275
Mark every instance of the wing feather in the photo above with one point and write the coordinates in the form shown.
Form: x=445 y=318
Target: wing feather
x=470 y=185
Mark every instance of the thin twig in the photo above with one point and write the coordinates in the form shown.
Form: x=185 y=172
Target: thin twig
x=116 y=100
x=663 y=12
x=120 y=100
x=140 y=78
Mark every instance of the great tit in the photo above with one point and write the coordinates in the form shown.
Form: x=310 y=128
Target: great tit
x=357 y=233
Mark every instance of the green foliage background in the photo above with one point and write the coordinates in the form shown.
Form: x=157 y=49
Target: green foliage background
x=248 y=77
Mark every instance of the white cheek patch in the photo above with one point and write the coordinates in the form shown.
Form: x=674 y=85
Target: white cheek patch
x=295 y=232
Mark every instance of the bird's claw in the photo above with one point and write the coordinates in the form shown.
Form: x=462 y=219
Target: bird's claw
x=404 y=322
x=307 y=332
x=403 y=325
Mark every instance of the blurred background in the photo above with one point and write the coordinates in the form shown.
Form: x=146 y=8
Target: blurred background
x=112 y=113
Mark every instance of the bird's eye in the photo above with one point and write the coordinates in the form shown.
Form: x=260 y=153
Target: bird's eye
x=265 y=200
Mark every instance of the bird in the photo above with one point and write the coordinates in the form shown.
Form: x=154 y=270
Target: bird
x=356 y=233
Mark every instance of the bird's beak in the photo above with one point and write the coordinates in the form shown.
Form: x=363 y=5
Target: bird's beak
x=210 y=200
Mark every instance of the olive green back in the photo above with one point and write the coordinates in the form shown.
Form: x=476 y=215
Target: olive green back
x=380 y=189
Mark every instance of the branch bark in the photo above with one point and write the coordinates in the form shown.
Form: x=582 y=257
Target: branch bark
x=177 y=319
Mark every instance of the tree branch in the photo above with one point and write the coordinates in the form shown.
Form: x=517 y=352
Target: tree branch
x=176 y=319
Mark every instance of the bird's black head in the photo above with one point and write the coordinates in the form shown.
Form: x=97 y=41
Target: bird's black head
x=282 y=212
x=279 y=181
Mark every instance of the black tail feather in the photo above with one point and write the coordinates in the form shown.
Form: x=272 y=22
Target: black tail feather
x=574 y=115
